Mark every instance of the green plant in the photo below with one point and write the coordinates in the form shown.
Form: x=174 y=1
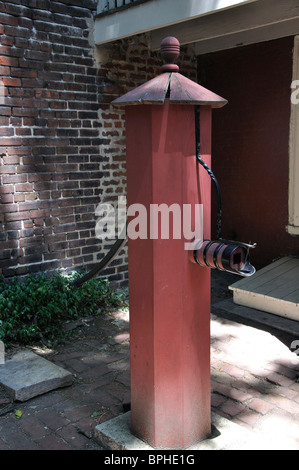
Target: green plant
x=37 y=308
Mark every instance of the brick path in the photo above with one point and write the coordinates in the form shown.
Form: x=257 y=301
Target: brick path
x=64 y=419
x=254 y=381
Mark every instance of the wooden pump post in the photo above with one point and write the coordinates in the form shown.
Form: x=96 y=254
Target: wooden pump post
x=169 y=295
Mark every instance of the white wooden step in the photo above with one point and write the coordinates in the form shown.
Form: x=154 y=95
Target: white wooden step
x=273 y=289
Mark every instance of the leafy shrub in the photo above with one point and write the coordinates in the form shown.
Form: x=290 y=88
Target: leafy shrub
x=37 y=309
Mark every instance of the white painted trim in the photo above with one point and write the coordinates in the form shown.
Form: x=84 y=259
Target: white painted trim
x=293 y=227
x=250 y=36
x=156 y=14
x=267 y=304
x=292 y=230
x=267 y=19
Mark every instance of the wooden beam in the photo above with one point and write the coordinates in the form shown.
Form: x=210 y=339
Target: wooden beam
x=148 y=16
x=252 y=36
x=243 y=18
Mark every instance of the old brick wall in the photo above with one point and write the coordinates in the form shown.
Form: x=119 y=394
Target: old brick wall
x=62 y=145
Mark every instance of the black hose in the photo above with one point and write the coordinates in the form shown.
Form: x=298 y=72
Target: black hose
x=113 y=252
x=211 y=174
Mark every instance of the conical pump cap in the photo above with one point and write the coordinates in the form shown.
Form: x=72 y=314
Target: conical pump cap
x=171 y=84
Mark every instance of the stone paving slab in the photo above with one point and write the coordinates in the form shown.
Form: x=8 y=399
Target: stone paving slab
x=27 y=375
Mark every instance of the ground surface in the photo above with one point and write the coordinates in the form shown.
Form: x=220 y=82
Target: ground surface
x=254 y=382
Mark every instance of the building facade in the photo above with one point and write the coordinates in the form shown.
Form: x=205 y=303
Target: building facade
x=62 y=147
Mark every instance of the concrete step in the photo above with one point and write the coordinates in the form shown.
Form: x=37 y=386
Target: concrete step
x=273 y=289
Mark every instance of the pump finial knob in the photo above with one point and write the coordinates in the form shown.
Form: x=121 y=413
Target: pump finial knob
x=170 y=51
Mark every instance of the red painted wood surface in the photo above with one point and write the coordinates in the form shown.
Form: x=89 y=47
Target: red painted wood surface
x=183 y=90
x=169 y=295
x=180 y=89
